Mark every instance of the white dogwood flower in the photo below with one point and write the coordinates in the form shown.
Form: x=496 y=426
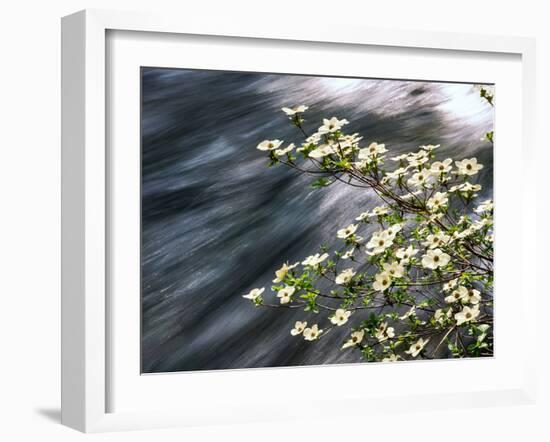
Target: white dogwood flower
x=332 y=125
x=417 y=347
x=322 y=151
x=483 y=328
x=481 y=223
x=406 y=254
x=450 y=285
x=397 y=173
x=345 y=276
x=441 y=315
x=394 y=229
x=379 y=242
x=356 y=338
x=280 y=152
x=419 y=179
x=485 y=206
x=299 y=327
x=285 y=294
x=379 y=211
x=352 y=139
x=314 y=260
x=383 y=332
x=400 y=157
x=472 y=296
x=430 y=147
x=467 y=314
x=314 y=138
x=437 y=201
x=410 y=312
x=468 y=167
x=371 y=151
x=468 y=187
x=381 y=281
x=340 y=317
x=347 y=231
x=418 y=161
x=394 y=269
x=269 y=145
x=391 y=358
x=294 y=110
x=310 y=334
x=439 y=167
x=458 y=294
x=435 y=240
x=282 y=272
x=435 y=258
x=465 y=188
x=254 y=294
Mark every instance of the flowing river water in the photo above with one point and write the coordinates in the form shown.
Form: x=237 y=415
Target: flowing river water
x=216 y=222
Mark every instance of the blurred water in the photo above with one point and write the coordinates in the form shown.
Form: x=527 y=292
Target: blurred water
x=217 y=222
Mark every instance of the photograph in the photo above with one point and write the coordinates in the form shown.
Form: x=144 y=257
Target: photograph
x=303 y=220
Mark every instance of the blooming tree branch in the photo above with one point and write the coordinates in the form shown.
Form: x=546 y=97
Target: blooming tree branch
x=413 y=275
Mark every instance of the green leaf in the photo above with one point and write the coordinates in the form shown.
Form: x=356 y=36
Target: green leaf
x=321 y=182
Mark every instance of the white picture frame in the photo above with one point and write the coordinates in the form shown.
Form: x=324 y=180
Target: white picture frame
x=86 y=354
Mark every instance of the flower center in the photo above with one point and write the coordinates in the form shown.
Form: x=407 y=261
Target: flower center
x=436 y=258
x=469 y=166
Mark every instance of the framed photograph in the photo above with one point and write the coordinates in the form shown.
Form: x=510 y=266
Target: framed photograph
x=251 y=214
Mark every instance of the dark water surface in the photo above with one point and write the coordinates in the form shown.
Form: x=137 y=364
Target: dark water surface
x=217 y=222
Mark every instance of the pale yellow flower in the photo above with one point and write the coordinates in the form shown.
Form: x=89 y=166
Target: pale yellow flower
x=294 y=110
x=340 y=317
x=356 y=338
x=345 y=276
x=332 y=125
x=282 y=272
x=310 y=334
x=467 y=314
x=285 y=294
x=269 y=145
x=417 y=347
x=434 y=259
x=468 y=167
x=280 y=152
x=299 y=327
x=254 y=294
x=346 y=232
x=314 y=260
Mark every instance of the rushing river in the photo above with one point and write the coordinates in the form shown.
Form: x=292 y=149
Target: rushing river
x=217 y=222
